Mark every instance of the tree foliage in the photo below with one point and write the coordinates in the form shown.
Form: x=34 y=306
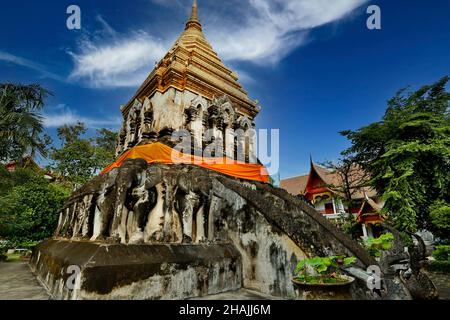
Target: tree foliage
x=440 y=218
x=29 y=205
x=351 y=181
x=20 y=123
x=407 y=154
x=105 y=144
x=79 y=158
x=8 y=180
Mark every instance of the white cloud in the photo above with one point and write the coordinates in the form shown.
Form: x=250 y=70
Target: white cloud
x=66 y=116
x=10 y=58
x=257 y=31
x=271 y=29
x=122 y=63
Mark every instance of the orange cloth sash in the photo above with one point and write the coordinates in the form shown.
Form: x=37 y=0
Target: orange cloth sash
x=158 y=152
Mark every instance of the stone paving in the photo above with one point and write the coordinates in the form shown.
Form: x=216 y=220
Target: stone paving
x=17 y=282
x=243 y=294
x=442 y=283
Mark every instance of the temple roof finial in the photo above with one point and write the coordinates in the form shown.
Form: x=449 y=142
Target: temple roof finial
x=193 y=21
x=194 y=15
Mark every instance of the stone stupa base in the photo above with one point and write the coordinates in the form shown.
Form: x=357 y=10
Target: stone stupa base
x=114 y=271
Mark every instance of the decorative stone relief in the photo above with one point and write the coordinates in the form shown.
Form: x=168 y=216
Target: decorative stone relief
x=272 y=230
x=162 y=114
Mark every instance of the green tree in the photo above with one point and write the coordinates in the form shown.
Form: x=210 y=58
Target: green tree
x=440 y=217
x=74 y=161
x=20 y=123
x=105 y=145
x=407 y=154
x=29 y=210
x=20 y=176
x=80 y=158
x=6 y=182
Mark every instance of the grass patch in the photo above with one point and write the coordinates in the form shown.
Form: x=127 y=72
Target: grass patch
x=15 y=257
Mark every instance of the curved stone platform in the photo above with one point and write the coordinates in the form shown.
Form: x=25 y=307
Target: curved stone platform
x=176 y=232
x=114 y=271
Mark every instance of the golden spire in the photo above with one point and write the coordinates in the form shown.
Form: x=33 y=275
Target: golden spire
x=194 y=15
x=192 y=64
x=193 y=21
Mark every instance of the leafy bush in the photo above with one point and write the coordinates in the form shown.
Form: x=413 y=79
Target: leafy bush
x=27 y=244
x=442 y=253
x=29 y=211
x=439 y=266
x=325 y=269
x=376 y=245
x=5 y=180
x=20 y=176
x=440 y=218
x=4 y=246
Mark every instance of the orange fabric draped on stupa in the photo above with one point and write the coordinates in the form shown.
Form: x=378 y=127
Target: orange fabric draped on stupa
x=160 y=153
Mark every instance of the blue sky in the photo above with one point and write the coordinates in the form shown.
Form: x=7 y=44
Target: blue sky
x=312 y=64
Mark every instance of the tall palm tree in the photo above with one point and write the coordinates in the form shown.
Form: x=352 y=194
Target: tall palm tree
x=21 y=124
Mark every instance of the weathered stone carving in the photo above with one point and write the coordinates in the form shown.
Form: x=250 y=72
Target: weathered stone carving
x=209 y=123
x=272 y=230
x=181 y=231
x=406 y=266
x=186 y=204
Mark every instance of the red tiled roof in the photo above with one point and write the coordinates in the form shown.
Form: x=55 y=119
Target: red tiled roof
x=370 y=212
x=295 y=185
x=333 y=180
x=357 y=177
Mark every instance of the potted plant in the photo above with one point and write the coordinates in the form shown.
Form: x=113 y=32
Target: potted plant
x=325 y=271
x=321 y=278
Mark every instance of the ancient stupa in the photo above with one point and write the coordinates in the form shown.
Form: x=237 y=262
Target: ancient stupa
x=147 y=228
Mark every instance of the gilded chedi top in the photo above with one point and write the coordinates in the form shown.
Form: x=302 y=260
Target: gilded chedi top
x=192 y=64
x=191 y=89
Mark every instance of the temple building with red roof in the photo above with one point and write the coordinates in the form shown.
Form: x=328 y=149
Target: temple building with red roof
x=325 y=189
